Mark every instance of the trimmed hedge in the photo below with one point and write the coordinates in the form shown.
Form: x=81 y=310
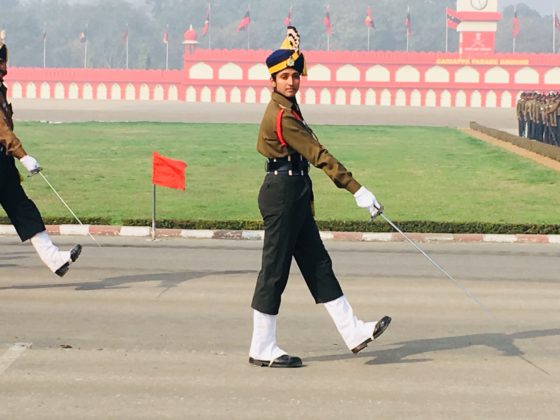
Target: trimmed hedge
x=329 y=225
x=548 y=150
x=361 y=226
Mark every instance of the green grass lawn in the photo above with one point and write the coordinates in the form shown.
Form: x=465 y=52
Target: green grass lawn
x=418 y=173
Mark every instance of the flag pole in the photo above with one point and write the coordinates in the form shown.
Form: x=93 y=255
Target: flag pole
x=446 y=34
x=154 y=212
x=368 y=43
x=553 y=31
x=85 y=52
x=44 y=47
x=209 y=11
x=86 y=44
x=127 y=46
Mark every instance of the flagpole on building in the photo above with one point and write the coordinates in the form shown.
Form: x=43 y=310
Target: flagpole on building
x=368 y=43
x=154 y=212
x=514 y=27
x=553 y=31
x=446 y=33
x=85 y=53
x=209 y=12
x=44 y=47
x=126 y=46
x=167 y=49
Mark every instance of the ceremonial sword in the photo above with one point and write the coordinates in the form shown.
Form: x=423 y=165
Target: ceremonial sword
x=39 y=171
x=449 y=276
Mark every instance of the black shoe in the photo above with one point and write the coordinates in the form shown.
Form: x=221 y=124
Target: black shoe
x=284 y=361
x=379 y=329
x=74 y=254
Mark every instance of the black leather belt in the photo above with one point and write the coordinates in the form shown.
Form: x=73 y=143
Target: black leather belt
x=295 y=164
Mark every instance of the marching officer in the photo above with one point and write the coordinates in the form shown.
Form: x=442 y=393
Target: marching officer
x=21 y=211
x=285 y=202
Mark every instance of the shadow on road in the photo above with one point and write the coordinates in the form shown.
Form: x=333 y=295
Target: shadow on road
x=167 y=280
x=408 y=351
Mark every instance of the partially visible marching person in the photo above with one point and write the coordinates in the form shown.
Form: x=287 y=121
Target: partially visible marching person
x=21 y=211
x=286 y=205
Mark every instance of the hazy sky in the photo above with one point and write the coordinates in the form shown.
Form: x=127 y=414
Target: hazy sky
x=543 y=6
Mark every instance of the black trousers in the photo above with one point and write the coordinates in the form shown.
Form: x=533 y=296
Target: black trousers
x=522 y=124
x=21 y=211
x=291 y=231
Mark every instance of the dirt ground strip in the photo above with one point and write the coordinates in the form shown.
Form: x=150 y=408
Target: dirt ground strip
x=541 y=160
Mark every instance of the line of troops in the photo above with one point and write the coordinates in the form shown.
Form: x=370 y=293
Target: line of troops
x=538 y=114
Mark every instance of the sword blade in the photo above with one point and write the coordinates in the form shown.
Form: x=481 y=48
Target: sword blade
x=441 y=269
x=67 y=206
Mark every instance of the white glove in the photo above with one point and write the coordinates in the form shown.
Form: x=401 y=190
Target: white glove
x=31 y=164
x=366 y=200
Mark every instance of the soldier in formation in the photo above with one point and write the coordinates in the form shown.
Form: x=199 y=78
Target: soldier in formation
x=538 y=116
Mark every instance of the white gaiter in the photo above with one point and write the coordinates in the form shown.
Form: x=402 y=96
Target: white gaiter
x=263 y=342
x=352 y=330
x=48 y=252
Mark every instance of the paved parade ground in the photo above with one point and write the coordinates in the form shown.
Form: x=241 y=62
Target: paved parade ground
x=142 y=329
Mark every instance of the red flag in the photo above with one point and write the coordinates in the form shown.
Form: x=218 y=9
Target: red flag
x=288 y=19
x=515 y=24
x=206 y=22
x=83 y=36
x=327 y=21
x=556 y=21
x=168 y=172
x=453 y=20
x=125 y=36
x=368 y=21
x=408 y=23
x=165 y=38
x=244 y=22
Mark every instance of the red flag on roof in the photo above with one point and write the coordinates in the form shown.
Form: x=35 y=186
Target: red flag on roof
x=556 y=21
x=244 y=22
x=408 y=23
x=168 y=172
x=368 y=21
x=515 y=24
x=165 y=38
x=453 y=19
x=206 y=22
x=327 y=21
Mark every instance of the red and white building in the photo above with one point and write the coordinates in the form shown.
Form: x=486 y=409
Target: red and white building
x=474 y=77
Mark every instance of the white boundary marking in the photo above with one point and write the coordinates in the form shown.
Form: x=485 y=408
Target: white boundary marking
x=11 y=355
